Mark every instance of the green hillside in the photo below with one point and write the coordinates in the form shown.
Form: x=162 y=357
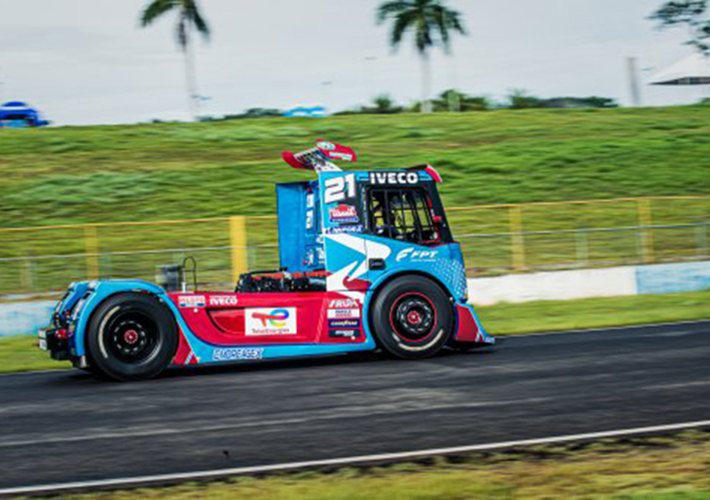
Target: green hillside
x=170 y=171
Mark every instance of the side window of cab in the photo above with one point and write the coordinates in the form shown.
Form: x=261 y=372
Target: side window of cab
x=402 y=214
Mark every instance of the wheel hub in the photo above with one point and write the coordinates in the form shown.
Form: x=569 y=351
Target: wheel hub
x=132 y=338
x=413 y=318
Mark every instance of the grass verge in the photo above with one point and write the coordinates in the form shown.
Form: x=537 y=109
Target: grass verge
x=548 y=316
x=648 y=468
x=21 y=354
x=18 y=354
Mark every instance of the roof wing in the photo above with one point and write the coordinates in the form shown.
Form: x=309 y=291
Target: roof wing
x=319 y=158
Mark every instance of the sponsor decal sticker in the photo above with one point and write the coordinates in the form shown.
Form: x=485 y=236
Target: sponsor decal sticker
x=344 y=304
x=223 y=300
x=238 y=353
x=344 y=214
x=345 y=229
x=417 y=255
x=327 y=146
x=344 y=334
x=187 y=301
x=343 y=313
x=394 y=178
x=267 y=321
x=340 y=155
x=344 y=323
x=310 y=200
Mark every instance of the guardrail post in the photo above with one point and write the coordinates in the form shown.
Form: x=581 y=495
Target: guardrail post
x=91 y=250
x=27 y=275
x=701 y=237
x=582 y=244
x=517 y=239
x=238 y=239
x=646 y=221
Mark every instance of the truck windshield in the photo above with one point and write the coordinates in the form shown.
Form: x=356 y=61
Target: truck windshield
x=402 y=214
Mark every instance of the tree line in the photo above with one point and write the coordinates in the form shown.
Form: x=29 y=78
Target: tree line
x=430 y=24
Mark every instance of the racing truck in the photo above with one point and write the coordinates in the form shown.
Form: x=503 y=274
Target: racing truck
x=367 y=262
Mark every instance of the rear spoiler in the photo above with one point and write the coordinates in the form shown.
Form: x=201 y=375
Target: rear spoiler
x=436 y=177
x=319 y=158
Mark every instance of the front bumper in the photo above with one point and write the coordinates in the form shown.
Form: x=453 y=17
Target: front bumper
x=56 y=342
x=470 y=330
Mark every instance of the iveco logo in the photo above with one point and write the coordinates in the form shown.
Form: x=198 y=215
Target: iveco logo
x=223 y=300
x=416 y=255
x=394 y=178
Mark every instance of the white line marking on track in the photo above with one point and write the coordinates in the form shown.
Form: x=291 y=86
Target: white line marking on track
x=383 y=457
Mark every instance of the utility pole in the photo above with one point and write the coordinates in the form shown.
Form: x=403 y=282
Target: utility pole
x=634 y=82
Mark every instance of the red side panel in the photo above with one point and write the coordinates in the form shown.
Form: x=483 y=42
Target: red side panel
x=468 y=330
x=234 y=319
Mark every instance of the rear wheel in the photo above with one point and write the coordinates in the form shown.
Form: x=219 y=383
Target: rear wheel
x=412 y=317
x=131 y=337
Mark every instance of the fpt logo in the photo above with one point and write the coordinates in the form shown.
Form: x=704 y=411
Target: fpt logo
x=417 y=255
x=276 y=318
x=278 y=321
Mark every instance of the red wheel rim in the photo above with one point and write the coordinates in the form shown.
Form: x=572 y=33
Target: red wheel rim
x=413 y=318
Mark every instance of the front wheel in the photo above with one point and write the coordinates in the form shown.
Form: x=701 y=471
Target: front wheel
x=131 y=337
x=412 y=317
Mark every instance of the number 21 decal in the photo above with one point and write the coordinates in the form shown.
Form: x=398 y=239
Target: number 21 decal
x=340 y=188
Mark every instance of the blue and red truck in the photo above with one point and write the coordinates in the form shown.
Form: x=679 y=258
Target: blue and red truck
x=367 y=261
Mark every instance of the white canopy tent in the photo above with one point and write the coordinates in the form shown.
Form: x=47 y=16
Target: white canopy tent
x=693 y=70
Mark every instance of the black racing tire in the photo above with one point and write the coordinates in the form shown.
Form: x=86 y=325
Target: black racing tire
x=131 y=337
x=412 y=317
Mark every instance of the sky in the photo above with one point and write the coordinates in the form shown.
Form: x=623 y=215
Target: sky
x=88 y=62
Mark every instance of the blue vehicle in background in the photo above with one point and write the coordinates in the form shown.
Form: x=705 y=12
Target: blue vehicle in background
x=18 y=114
x=367 y=261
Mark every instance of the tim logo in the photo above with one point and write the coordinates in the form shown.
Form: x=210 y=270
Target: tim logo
x=277 y=318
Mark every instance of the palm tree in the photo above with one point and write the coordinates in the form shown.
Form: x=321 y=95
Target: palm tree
x=189 y=19
x=431 y=23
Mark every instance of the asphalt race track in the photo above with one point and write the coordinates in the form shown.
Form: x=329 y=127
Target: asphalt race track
x=65 y=426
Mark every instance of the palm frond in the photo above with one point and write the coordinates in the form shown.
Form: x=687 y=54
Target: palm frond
x=392 y=8
x=445 y=21
x=155 y=10
x=196 y=18
x=403 y=23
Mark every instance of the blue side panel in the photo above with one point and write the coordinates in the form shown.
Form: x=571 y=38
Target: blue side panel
x=300 y=248
x=672 y=278
x=97 y=292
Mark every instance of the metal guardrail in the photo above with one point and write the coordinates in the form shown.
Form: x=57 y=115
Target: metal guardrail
x=525 y=237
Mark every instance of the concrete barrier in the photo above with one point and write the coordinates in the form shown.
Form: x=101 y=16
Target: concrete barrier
x=590 y=283
x=670 y=278
x=558 y=285
x=24 y=318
